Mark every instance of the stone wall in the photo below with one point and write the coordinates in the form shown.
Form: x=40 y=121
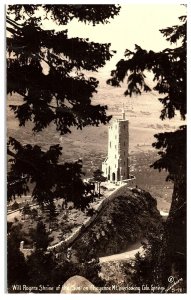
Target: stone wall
x=68 y=241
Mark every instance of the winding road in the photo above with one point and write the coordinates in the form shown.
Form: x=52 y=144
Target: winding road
x=130 y=254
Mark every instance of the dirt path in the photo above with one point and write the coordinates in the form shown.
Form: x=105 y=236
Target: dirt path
x=132 y=251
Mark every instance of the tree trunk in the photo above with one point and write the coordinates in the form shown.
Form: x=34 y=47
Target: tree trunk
x=174 y=240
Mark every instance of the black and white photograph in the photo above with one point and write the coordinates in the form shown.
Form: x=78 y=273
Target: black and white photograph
x=96 y=106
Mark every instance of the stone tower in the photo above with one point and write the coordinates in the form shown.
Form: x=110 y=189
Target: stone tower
x=116 y=165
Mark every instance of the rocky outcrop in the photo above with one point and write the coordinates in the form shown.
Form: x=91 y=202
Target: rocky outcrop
x=77 y=285
x=128 y=217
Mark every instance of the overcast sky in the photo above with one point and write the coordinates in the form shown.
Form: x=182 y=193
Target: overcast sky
x=136 y=24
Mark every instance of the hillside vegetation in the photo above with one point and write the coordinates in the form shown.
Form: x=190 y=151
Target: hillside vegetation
x=129 y=216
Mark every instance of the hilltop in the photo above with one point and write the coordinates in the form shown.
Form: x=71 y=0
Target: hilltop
x=127 y=217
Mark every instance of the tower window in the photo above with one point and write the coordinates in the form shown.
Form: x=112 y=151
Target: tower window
x=124 y=125
x=124 y=163
x=124 y=153
x=115 y=146
x=110 y=144
x=124 y=143
x=115 y=137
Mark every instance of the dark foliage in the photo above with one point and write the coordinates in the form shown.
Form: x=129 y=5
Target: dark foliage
x=147 y=269
x=16 y=264
x=40 y=236
x=62 y=14
x=26 y=209
x=46 y=68
x=169 y=70
x=168 y=67
x=40 y=267
x=51 y=179
x=173 y=153
x=125 y=218
x=15 y=205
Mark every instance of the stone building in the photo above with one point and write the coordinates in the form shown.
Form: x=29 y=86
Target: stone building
x=116 y=165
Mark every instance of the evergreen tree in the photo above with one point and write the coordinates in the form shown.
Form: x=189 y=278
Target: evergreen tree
x=26 y=210
x=61 y=97
x=40 y=236
x=16 y=264
x=169 y=70
x=15 y=205
x=40 y=266
x=47 y=69
x=34 y=213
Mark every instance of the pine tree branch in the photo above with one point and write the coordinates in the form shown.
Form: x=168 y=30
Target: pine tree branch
x=24 y=96
x=11 y=30
x=12 y=154
x=47 y=62
x=13 y=23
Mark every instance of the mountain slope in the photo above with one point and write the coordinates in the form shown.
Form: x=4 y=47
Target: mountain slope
x=128 y=217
